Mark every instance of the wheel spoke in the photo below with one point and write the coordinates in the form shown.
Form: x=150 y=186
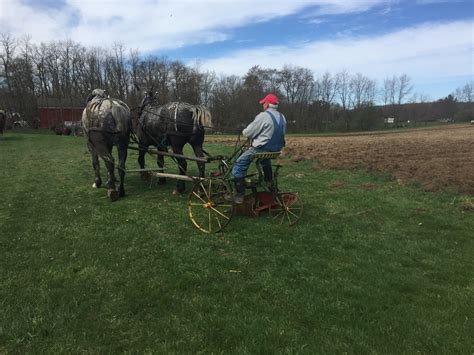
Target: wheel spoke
x=208 y=209
x=199 y=197
x=219 y=223
x=221 y=205
x=294 y=214
x=219 y=212
x=204 y=189
x=277 y=214
x=283 y=215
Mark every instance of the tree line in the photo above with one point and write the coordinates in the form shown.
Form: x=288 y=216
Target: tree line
x=62 y=73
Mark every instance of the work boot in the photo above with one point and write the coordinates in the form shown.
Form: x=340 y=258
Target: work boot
x=267 y=172
x=239 y=192
x=270 y=186
x=268 y=177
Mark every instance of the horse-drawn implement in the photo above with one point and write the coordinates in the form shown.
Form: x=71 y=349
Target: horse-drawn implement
x=210 y=203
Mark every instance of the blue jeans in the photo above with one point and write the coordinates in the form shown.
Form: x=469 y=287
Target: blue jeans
x=243 y=162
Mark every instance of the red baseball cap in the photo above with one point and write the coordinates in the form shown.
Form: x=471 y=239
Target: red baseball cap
x=270 y=98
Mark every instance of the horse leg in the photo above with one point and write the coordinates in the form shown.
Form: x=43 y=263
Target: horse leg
x=182 y=164
x=200 y=154
x=141 y=155
x=110 y=164
x=142 y=149
x=160 y=161
x=95 y=165
x=122 y=155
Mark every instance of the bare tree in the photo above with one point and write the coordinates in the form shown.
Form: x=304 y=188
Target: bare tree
x=297 y=83
x=133 y=61
x=328 y=86
x=207 y=85
x=344 y=89
x=404 y=87
x=363 y=90
x=345 y=93
x=43 y=75
x=468 y=92
x=226 y=95
x=389 y=90
x=7 y=53
x=119 y=73
x=465 y=93
x=178 y=80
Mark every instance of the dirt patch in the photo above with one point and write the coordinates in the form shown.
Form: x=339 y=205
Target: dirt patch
x=439 y=158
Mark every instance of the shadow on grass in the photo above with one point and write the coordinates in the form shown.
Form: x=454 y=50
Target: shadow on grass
x=11 y=138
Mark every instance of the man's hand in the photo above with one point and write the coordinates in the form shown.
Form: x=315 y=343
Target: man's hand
x=248 y=144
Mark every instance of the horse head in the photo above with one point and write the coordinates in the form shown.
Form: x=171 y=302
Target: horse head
x=148 y=98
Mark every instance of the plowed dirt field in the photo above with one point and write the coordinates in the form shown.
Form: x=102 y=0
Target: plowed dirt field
x=438 y=158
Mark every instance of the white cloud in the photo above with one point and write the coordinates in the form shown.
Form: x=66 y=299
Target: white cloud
x=430 y=52
x=426 y=52
x=427 y=2
x=152 y=25
x=336 y=7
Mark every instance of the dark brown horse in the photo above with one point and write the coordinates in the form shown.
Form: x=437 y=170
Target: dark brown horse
x=107 y=123
x=173 y=124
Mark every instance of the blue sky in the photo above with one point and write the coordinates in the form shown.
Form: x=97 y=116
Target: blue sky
x=432 y=41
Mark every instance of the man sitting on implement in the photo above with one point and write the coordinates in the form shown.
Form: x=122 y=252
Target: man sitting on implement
x=267 y=132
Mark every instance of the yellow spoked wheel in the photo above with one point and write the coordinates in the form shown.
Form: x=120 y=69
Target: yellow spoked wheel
x=208 y=205
x=286 y=207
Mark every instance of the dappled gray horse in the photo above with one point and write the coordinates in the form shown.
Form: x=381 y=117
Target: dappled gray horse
x=173 y=124
x=107 y=123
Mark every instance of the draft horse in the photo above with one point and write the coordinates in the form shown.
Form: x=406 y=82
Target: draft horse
x=173 y=124
x=107 y=123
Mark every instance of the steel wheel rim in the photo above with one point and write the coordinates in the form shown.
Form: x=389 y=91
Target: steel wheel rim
x=288 y=208
x=208 y=209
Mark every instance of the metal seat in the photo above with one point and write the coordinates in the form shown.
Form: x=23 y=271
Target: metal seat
x=266 y=155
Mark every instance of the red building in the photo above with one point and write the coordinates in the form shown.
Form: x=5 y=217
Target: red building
x=56 y=116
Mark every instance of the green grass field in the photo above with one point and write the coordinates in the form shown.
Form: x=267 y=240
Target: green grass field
x=372 y=266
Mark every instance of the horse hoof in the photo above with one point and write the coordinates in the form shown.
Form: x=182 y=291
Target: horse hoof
x=113 y=194
x=94 y=186
x=146 y=176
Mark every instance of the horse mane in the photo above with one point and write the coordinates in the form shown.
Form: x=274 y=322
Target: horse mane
x=200 y=113
x=203 y=116
x=97 y=102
